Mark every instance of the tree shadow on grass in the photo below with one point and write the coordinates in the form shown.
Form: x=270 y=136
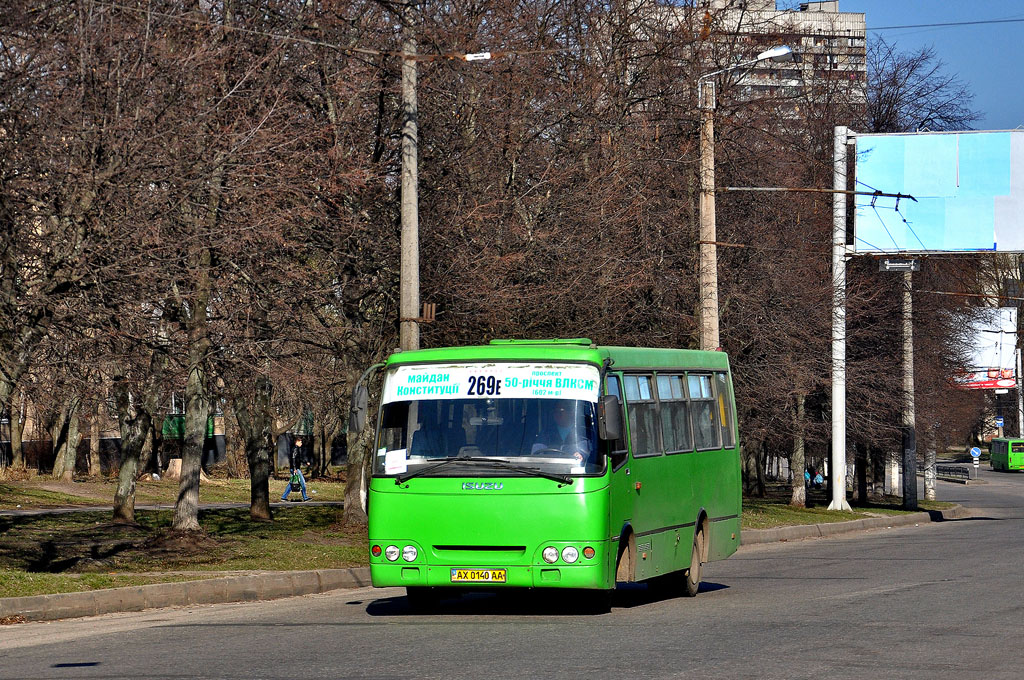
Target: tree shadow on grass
x=78 y=543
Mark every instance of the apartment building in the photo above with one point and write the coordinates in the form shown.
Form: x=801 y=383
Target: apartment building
x=831 y=45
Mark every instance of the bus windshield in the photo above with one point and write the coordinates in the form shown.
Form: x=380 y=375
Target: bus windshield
x=553 y=435
x=536 y=417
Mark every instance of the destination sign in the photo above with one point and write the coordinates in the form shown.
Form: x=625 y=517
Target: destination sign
x=492 y=381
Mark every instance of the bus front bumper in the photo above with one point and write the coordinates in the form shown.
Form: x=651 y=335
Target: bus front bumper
x=591 y=573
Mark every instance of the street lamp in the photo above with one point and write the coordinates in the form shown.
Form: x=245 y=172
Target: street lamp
x=708 y=264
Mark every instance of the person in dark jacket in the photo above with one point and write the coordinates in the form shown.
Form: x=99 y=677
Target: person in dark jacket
x=295 y=468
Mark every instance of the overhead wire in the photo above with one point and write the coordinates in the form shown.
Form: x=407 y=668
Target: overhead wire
x=978 y=22
x=351 y=49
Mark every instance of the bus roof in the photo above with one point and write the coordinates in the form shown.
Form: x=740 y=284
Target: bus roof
x=573 y=350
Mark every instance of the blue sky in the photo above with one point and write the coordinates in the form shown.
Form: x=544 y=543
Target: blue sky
x=988 y=58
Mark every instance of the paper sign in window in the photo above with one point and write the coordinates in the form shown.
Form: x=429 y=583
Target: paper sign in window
x=395 y=462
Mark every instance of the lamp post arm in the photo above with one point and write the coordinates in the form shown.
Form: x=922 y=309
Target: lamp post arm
x=743 y=64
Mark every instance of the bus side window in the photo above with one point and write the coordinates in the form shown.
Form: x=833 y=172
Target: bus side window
x=644 y=432
x=611 y=386
x=675 y=414
x=724 y=395
x=707 y=433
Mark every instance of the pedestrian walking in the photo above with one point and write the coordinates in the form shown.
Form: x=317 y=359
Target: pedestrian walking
x=295 y=471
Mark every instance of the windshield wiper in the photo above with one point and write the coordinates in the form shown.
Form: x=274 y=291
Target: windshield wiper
x=504 y=465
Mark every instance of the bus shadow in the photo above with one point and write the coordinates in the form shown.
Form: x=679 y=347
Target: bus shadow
x=531 y=602
x=629 y=595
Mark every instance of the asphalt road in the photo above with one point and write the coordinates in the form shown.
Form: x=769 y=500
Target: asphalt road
x=936 y=601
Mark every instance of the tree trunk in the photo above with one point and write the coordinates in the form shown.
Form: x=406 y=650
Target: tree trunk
x=65 y=435
x=356 y=476
x=234 y=445
x=197 y=413
x=332 y=434
x=761 y=489
x=134 y=425
x=256 y=427
x=197 y=401
x=17 y=431
x=929 y=473
x=155 y=442
x=94 y=441
x=862 y=472
x=797 y=462
x=322 y=450
x=878 y=465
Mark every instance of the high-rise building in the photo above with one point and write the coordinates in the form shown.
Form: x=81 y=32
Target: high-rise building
x=830 y=43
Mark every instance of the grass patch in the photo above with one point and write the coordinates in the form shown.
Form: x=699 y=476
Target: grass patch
x=77 y=551
x=14 y=494
x=17 y=583
x=761 y=514
x=774 y=510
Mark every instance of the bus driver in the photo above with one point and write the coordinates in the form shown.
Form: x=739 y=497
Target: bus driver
x=563 y=433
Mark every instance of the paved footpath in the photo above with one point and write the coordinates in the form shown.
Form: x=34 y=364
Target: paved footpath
x=934 y=601
x=29 y=512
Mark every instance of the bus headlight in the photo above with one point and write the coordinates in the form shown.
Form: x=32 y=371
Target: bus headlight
x=550 y=554
x=409 y=553
x=570 y=554
x=391 y=552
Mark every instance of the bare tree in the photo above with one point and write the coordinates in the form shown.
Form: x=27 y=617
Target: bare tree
x=909 y=91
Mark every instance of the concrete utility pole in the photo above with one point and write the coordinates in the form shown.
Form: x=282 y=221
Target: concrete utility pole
x=708 y=266
x=838 y=472
x=909 y=430
x=708 y=263
x=409 y=295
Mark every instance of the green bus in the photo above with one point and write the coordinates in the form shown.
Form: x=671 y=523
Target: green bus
x=552 y=464
x=1007 y=454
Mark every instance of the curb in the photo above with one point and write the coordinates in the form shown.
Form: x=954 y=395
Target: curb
x=244 y=588
x=801 y=531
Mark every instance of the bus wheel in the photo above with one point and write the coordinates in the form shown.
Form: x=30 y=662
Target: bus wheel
x=422 y=599
x=691 y=583
x=624 y=565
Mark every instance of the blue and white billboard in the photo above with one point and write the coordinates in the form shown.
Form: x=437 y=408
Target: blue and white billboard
x=968 y=186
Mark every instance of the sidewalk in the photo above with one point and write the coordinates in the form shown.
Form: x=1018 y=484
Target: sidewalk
x=271 y=585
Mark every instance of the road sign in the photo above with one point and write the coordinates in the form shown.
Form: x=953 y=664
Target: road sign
x=976 y=452
x=999 y=421
x=892 y=264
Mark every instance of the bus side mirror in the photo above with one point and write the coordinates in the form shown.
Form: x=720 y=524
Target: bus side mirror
x=357 y=411
x=609 y=418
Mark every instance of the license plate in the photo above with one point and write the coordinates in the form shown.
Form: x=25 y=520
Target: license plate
x=478 y=575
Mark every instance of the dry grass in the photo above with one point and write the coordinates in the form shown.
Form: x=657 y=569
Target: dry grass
x=774 y=510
